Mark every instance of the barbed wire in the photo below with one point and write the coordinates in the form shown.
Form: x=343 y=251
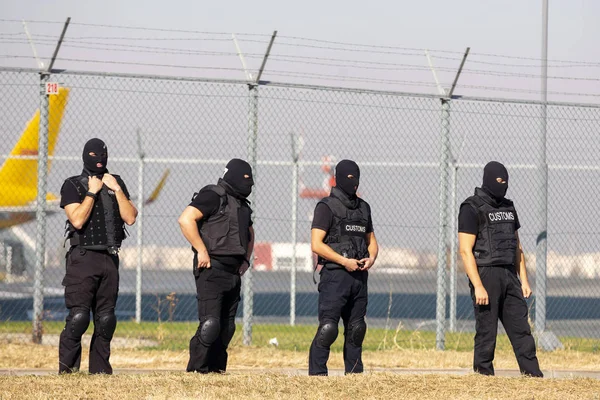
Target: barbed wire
x=299 y=60
x=82 y=60
x=106 y=43
x=129 y=48
x=139 y=28
x=422 y=50
x=294 y=38
x=574 y=63
x=318 y=76
x=20 y=21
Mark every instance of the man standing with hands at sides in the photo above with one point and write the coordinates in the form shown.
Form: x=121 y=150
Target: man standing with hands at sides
x=218 y=225
x=494 y=261
x=97 y=205
x=343 y=238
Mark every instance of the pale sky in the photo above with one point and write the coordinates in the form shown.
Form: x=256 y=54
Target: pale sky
x=510 y=28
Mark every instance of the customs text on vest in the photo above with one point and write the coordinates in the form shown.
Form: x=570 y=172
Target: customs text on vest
x=347 y=235
x=104 y=230
x=227 y=232
x=496 y=242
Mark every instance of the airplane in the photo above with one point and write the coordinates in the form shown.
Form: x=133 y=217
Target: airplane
x=18 y=176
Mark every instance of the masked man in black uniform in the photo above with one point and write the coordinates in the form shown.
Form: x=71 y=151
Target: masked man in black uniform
x=97 y=206
x=494 y=262
x=218 y=225
x=343 y=238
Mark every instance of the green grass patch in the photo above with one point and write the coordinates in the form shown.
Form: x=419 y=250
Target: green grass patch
x=176 y=336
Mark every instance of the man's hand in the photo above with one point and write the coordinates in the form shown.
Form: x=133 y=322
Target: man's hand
x=351 y=264
x=481 y=296
x=366 y=263
x=111 y=182
x=244 y=267
x=526 y=290
x=203 y=259
x=94 y=184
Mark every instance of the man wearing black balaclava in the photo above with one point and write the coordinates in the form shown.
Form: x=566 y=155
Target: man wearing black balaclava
x=218 y=225
x=97 y=206
x=343 y=238
x=95 y=157
x=495 y=264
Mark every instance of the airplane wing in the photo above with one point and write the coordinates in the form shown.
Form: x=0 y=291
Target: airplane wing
x=11 y=216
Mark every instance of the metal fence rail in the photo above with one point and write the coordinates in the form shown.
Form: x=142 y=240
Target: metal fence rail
x=419 y=157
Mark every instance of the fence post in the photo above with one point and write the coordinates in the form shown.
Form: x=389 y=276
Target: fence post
x=40 y=213
x=442 y=227
x=294 y=269
x=140 y=232
x=541 y=240
x=252 y=145
x=453 y=242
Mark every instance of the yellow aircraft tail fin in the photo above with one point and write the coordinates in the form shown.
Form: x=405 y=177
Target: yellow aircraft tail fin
x=154 y=195
x=18 y=176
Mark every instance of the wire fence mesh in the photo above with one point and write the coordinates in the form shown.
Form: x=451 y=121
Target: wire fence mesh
x=189 y=129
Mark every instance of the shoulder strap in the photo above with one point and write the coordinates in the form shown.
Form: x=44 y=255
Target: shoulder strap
x=475 y=202
x=364 y=207
x=335 y=205
x=508 y=203
x=218 y=190
x=81 y=184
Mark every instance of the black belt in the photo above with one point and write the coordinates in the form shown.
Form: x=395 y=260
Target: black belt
x=507 y=266
x=222 y=267
x=75 y=242
x=331 y=265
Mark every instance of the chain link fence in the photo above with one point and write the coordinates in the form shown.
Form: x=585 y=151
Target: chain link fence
x=187 y=130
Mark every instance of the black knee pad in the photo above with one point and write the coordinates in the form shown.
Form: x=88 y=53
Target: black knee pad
x=210 y=330
x=107 y=324
x=227 y=332
x=79 y=323
x=356 y=332
x=328 y=332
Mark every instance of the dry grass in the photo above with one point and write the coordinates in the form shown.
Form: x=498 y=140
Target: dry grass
x=271 y=386
x=27 y=356
x=253 y=375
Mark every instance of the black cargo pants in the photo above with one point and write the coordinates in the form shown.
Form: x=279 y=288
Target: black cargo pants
x=218 y=294
x=341 y=294
x=507 y=304
x=91 y=284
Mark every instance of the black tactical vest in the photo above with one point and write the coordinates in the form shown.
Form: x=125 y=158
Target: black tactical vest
x=496 y=242
x=104 y=229
x=347 y=235
x=226 y=232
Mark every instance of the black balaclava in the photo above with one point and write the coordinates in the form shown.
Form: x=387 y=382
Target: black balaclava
x=90 y=163
x=234 y=176
x=492 y=171
x=342 y=170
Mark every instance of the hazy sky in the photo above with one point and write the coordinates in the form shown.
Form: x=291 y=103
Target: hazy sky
x=510 y=28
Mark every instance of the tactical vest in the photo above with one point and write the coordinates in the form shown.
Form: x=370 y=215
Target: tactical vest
x=347 y=235
x=496 y=242
x=104 y=229
x=226 y=232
